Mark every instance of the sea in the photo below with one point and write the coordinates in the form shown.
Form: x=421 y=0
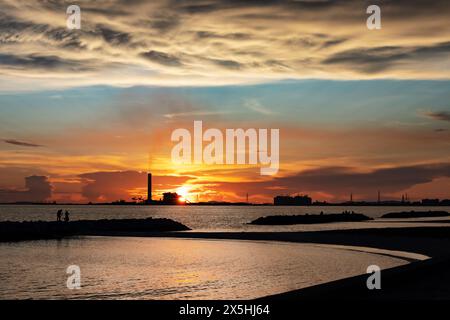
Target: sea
x=208 y=218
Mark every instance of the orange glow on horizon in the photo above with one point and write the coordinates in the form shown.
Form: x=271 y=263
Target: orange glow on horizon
x=183 y=191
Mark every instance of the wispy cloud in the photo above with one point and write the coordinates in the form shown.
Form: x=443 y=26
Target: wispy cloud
x=438 y=115
x=193 y=114
x=162 y=58
x=379 y=59
x=256 y=106
x=21 y=143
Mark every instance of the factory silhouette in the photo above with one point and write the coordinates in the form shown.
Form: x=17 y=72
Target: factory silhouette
x=173 y=198
x=169 y=198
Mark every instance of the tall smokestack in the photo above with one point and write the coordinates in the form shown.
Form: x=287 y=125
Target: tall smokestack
x=149 y=187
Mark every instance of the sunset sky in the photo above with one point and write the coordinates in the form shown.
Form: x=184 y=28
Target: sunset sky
x=84 y=114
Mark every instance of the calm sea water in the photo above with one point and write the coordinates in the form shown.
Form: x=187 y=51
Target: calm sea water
x=205 y=218
x=140 y=268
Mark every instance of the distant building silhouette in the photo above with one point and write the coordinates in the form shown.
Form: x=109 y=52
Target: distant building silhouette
x=298 y=200
x=171 y=198
x=430 y=202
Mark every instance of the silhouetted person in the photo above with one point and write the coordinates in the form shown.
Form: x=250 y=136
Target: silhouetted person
x=59 y=215
x=66 y=216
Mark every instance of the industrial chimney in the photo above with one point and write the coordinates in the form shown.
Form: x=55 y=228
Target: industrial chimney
x=149 y=188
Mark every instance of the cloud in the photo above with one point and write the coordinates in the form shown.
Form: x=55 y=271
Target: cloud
x=114 y=37
x=162 y=58
x=37 y=189
x=378 y=59
x=256 y=106
x=343 y=180
x=21 y=143
x=227 y=64
x=438 y=115
x=196 y=113
x=214 y=35
x=164 y=24
x=12 y=177
x=220 y=42
x=36 y=61
x=339 y=182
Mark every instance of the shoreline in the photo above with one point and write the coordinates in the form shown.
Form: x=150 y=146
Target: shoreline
x=429 y=241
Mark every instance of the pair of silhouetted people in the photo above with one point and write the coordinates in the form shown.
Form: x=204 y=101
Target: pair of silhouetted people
x=59 y=215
